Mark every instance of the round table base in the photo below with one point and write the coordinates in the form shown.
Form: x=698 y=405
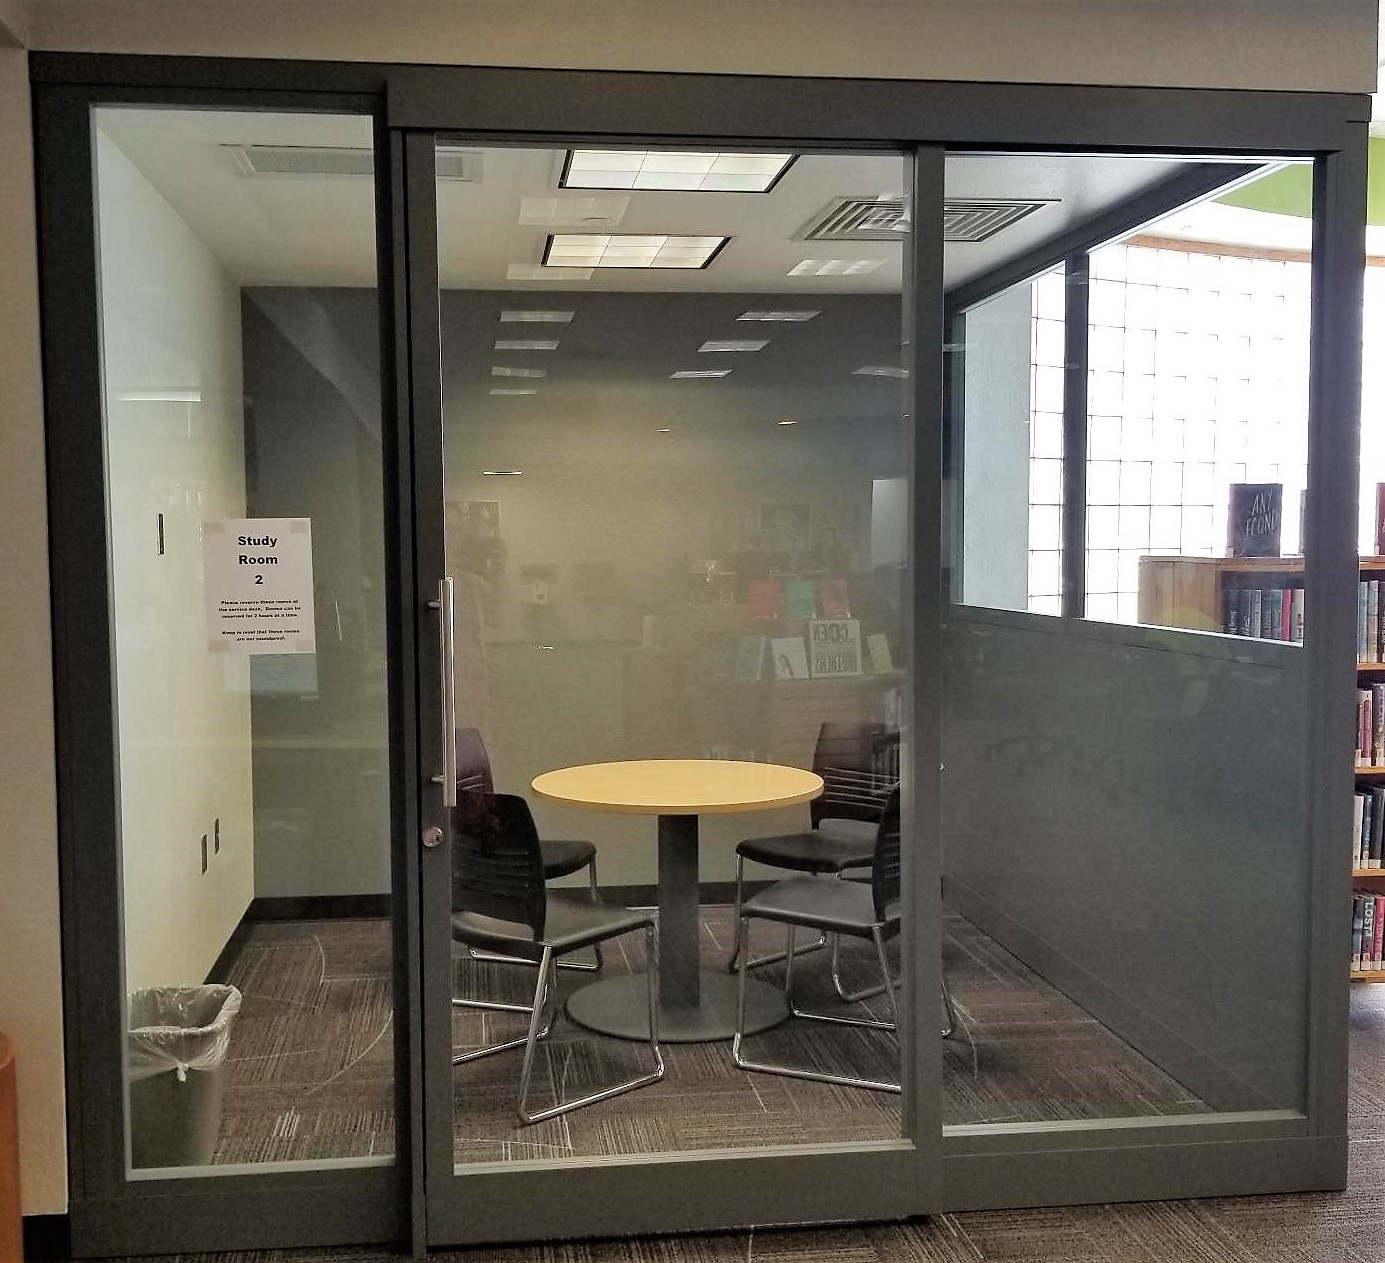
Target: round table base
x=619 y=1007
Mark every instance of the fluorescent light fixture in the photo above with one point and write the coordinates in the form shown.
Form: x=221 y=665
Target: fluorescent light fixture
x=526 y=344
x=795 y=317
x=835 y=267
x=880 y=370
x=690 y=373
x=499 y=370
x=664 y=429
x=536 y=317
x=671 y=169
x=787 y=421
x=627 y=250
x=749 y=344
x=501 y=473
x=160 y=396
x=509 y=390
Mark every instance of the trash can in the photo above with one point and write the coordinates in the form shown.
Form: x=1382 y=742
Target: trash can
x=177 y=1046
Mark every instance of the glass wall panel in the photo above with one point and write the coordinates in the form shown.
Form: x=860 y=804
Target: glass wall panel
x=1011 y=448
x=242 y=432
x=677 y=499
x=1124 y=807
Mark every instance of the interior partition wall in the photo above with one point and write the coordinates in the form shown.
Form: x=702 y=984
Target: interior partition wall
x=1013 y=702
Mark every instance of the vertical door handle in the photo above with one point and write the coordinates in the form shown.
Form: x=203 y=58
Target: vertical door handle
x=447 y=644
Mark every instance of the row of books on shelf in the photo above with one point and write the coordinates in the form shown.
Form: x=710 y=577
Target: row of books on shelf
x=1264 y=613
x=1370 y=620
x=1367 y=827
x=1367 y=931
x=1370 y=726
x=799 y=598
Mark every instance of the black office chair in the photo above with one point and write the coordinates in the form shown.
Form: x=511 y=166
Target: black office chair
x=822 y=902
x=561 y=856
x=843 y=825
x=500 y=904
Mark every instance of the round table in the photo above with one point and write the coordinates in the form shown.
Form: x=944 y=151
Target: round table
x=694 y=1004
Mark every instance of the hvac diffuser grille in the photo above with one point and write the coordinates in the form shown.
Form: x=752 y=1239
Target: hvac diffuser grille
x=320 y=160
x=883 y=219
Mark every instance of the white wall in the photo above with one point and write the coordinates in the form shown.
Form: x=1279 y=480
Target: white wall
x=1328 y=46
x=171 y=323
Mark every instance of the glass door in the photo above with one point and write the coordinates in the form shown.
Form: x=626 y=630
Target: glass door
x=664 y=480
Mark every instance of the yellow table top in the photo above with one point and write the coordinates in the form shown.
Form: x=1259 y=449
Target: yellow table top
x=679 y=787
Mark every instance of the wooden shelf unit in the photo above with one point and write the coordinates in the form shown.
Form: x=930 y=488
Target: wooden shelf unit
x=1178 y=591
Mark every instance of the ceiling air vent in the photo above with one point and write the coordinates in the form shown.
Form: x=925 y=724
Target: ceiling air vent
x=324 y=160
x=980 y=218
x=883 y=219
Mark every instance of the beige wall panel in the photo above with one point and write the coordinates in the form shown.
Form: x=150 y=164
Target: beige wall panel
x=1326 y=46
x=30 y=984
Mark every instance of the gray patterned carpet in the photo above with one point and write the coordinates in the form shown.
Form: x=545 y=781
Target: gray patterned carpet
x=310 y=1072
x=1346 y=1227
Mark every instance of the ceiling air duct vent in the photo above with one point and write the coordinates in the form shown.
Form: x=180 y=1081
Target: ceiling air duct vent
x=324 y=160
x=883 y=219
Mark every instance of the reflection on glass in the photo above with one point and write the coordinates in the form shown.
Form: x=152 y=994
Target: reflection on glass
x=242 y=432
x=1124 y=807
x=676 y=507
x=1011 y=448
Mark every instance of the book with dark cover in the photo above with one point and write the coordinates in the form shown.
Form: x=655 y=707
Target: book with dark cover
x=1367 y=815
x=1357 y=913
x=1377 y=826
x=1367 y=930
x=1230 y=611
x=1269 y=618
x=1246 y=597
x=1357 y=816
x=1257 y=613
x=1254 y=519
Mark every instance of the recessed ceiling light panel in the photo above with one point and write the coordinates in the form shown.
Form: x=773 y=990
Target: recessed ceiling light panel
x=501 y=370
x=690 y=373
x=835 y=267
x=786 y=317
x=673 y=170
x=536 y=272
x=526 y=344
x=510 y=390
x=501 y=473
x=732 y=344
x=606 y=250
x=536 y=317
x=880 y=370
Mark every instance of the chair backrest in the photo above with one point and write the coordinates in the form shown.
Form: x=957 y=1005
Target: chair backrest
x=473 y=763
x=846 y=757
x=884 y=873
x=497 y=866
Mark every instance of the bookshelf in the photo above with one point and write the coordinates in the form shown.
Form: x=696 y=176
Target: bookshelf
x=1190 y=592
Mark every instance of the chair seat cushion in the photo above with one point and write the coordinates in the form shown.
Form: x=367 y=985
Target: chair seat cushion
x=813 y=851
x=572 y=921
x=824 y=903
x=562 y=856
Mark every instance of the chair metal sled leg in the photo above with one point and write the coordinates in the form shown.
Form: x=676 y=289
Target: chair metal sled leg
x=802 y=1072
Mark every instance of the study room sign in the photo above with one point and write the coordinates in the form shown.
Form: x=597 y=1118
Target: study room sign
x=259 y=583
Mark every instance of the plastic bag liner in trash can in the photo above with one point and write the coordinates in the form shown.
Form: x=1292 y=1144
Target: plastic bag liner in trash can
x=177 y=1046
